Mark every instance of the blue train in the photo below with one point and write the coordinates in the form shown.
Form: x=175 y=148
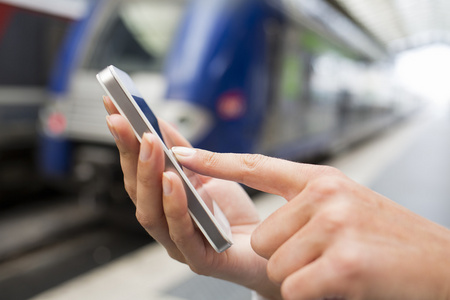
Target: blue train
x=30 y=35
x=294 y=79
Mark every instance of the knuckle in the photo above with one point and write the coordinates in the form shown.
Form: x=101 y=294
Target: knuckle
x=330 y=171
x=332 y=222
x=130 y=187
x=337 y=218
x=273 y=271
x=326 y=187
x=128 y=159
x=177 y=255
x=252 y=161
x=144 y=179
x=322 y=189
x=180 y=241
x=257 y=243
x=126 y=155
x=196 y=269
x=200 y=269
x=291 y=288
x=211 y=159
x=349 y=262
x=145 y=221
x=287 y=291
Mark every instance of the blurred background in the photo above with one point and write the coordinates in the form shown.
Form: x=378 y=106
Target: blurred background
x=361 y=85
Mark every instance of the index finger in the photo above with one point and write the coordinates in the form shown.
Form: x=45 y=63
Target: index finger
x=271 y=175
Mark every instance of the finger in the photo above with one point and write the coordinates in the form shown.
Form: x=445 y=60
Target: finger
x=280 y=226
x=109 y=106
x=183 y=233
x=272 y=175
x=320 y=211
x=149 y=205
x=317 y=280
x=128 y=147
x=299 y=250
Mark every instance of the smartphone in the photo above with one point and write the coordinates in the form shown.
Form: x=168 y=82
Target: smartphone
x=203 y=209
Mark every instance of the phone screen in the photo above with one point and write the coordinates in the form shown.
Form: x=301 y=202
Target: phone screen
x=149 y=114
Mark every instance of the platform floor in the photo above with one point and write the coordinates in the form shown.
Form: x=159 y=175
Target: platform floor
x=410 y=163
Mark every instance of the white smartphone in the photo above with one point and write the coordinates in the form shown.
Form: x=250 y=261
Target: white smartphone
x=203 y=209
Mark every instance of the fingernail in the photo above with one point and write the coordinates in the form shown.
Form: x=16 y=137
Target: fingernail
x=146 y=149
x=112 y=129
x=183 y=151
x=104 y=103
x=166 y=184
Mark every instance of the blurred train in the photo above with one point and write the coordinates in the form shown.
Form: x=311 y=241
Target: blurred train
x=30 y=36
x=293 y=79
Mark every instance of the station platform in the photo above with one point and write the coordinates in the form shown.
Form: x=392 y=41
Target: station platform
x=408 y=163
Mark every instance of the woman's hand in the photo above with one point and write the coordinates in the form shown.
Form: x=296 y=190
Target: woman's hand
x=335 y=239
x=161 y=208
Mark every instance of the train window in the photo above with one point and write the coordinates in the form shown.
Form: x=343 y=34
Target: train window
x=139 y=36
x=27 y=61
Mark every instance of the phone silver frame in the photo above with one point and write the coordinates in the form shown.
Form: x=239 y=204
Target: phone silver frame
x=117 y=90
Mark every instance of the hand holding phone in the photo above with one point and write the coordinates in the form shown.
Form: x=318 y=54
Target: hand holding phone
x=203 y=209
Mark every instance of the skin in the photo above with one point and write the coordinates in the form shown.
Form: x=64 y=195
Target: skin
x=333 y=239
x=161 y=208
